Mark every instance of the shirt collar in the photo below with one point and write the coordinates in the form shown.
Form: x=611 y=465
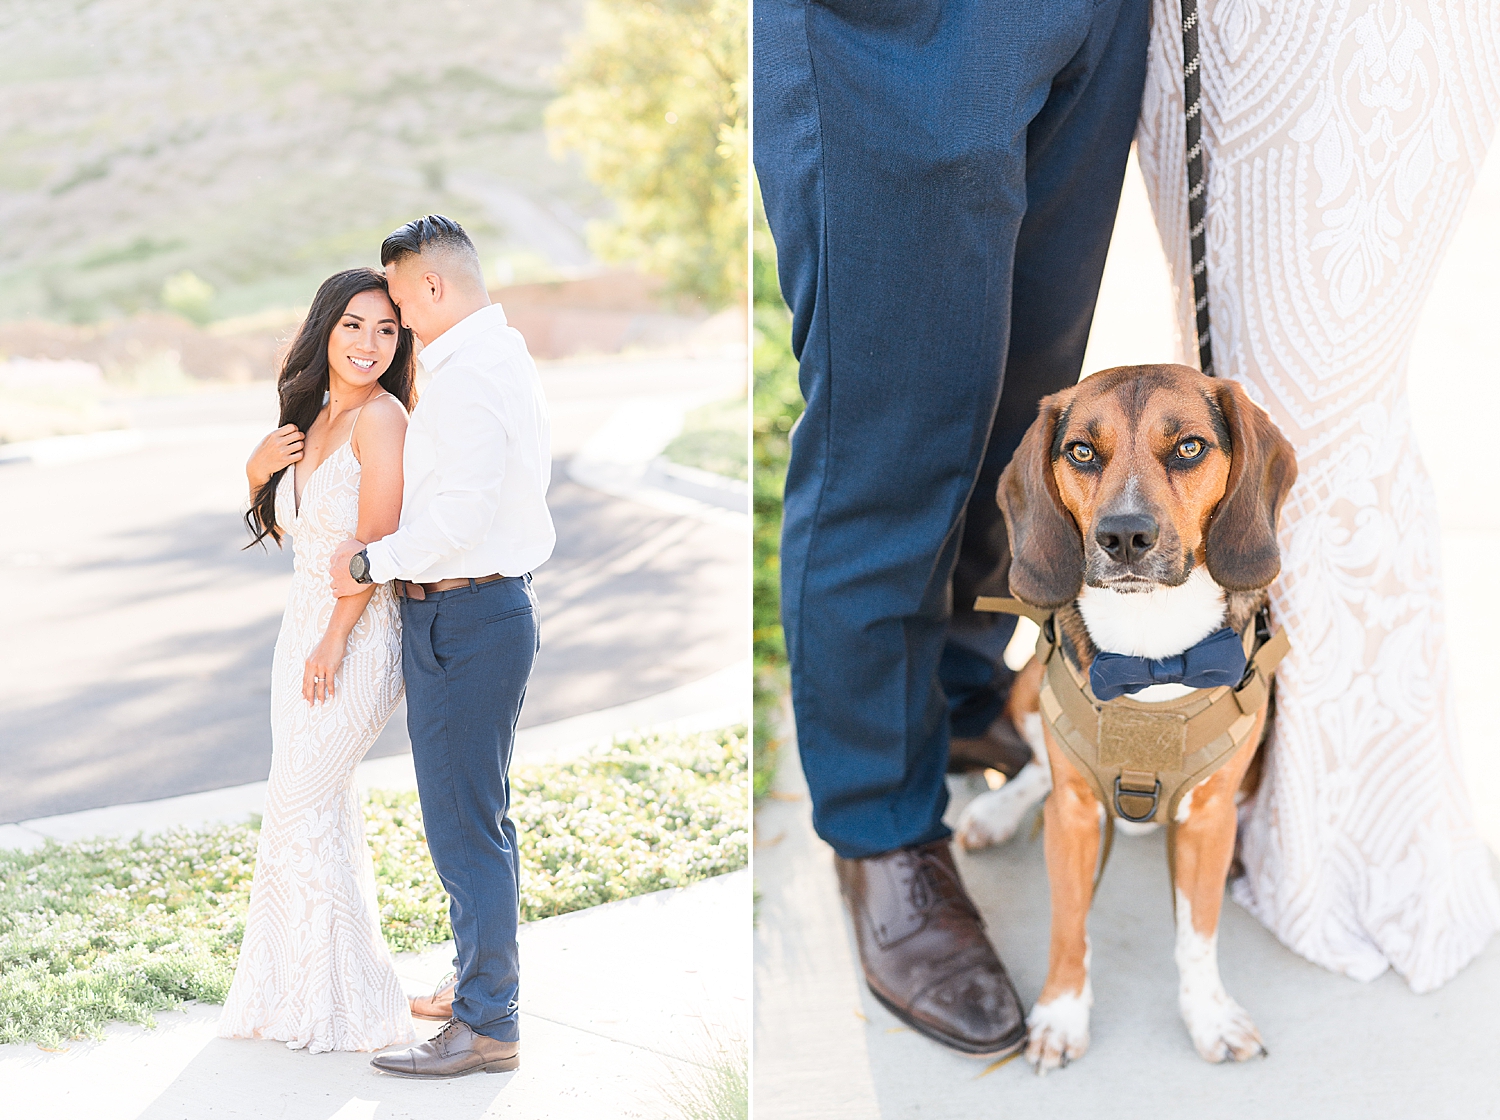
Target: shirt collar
x=472 y=325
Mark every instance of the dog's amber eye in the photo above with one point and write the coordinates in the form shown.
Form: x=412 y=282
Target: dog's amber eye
x=1081 y=453
x=1190 y=449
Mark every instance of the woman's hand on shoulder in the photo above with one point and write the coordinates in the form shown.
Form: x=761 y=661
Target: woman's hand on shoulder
x=281 y=448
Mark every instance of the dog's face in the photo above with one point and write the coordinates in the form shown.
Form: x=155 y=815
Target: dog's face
x=1137 y=475
x=1141 y=469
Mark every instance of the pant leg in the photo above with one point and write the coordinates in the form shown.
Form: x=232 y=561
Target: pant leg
x=891 y=144
x=1075 y=163
x=466 y=656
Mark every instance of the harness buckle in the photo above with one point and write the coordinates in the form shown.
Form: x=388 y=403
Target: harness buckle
x=1251 y=695
x=1138 y=797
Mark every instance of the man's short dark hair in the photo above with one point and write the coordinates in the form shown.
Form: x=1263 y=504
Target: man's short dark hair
x=415 y=237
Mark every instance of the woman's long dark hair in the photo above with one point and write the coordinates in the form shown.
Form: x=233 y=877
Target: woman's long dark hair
x=304 y=377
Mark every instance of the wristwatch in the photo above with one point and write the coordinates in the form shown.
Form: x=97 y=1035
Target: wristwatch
x=359 y=567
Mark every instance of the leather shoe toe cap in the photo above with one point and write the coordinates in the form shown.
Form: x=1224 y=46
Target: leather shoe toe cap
x=396 y=1061
x=976 y=1007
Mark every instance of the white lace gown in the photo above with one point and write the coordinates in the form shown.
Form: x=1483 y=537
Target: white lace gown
x=314 y=970
x=1343 y=139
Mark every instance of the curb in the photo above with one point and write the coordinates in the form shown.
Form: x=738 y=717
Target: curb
x=718 y=700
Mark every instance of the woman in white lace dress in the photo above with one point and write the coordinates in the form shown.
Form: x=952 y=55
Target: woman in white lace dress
x=1343 y=138
x=314 y=970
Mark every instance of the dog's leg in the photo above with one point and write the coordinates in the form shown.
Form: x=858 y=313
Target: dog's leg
x=1220 y=1027
x=993 y=817
x=1060 y=1020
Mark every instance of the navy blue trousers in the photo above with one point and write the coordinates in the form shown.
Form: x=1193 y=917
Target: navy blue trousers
x=466 y=655
x=941 y=179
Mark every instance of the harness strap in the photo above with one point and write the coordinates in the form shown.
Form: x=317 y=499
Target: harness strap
x=1192 y=738
x=1204 y=726
x=1002 y=605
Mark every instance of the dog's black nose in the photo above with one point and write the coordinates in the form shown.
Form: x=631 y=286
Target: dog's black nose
x=1126 y=537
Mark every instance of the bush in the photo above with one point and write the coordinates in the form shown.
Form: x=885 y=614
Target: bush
x=655 y=104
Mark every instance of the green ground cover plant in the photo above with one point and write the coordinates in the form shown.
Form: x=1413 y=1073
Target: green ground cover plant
x=105 y=930
x=778 y=403
x=713 y=439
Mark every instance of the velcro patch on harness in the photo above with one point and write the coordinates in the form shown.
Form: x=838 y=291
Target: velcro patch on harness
x=1137 y=740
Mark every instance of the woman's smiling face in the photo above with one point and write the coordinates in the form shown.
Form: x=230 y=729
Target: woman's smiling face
x=363 y=343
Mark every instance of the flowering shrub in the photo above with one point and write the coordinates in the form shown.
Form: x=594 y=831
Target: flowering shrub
x=116 y=929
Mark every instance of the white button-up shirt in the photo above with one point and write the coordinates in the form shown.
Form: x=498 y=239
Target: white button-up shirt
x=477 y=462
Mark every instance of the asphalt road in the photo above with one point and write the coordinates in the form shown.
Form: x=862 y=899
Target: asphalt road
x=136 y=632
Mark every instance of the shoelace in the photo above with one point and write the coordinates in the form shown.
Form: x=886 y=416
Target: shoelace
x=447 y=1028
x=941 y=884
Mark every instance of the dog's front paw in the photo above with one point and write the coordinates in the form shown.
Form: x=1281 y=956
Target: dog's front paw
x=1220 y=1028
x=1059 y=1031
x=993 y=817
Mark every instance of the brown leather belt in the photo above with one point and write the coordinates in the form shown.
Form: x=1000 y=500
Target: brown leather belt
x=405 y=589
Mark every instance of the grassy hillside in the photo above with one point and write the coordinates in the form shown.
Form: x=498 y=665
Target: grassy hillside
x=261 y=145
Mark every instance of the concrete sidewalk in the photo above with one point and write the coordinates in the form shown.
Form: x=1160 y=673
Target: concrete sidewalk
x=826 y=1050
x=625 y=1008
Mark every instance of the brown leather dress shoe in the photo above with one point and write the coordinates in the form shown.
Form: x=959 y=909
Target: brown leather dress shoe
x=437 y=1007
x=924 y=952
x=1002 y=747
x=455 y=1050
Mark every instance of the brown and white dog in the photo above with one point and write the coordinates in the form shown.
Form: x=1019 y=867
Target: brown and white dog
x=1142 y=505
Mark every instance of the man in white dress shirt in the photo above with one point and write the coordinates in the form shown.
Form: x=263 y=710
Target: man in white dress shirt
x=474 y=524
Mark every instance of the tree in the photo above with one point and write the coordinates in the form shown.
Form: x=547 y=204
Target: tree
x=655 y=103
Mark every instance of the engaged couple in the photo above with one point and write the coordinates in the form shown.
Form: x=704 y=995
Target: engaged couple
x=415 y=527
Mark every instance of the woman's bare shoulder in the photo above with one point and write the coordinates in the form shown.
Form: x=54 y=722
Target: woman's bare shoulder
x=383 y=413
x=385 y=405
x=381 y=422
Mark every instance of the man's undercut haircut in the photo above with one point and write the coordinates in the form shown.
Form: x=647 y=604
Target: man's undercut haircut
x=434 y=233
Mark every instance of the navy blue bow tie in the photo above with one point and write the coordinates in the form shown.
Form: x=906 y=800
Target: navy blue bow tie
x=1217 y=659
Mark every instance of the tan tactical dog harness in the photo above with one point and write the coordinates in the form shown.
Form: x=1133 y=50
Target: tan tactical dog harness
x=1142 y=758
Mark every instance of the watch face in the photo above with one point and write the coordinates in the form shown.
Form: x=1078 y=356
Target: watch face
x=359 y=567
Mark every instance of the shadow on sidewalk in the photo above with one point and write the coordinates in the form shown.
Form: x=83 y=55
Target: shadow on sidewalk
x=244 y=1078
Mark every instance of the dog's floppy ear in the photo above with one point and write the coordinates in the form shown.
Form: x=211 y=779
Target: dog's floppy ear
x=1241 y=540
x=1046 y=566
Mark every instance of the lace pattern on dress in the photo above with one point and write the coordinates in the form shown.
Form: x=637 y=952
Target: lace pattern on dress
x=1343 y=140
x=314 y=970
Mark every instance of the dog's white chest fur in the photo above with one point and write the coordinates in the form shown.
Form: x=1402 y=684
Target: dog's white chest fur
x=1158 y=623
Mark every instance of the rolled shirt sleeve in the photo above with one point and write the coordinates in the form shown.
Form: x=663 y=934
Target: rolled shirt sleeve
x=466 y=418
